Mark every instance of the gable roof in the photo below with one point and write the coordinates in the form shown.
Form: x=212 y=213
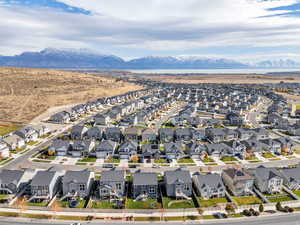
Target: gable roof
x=178 y=176
x=142 y=178
x=77 y=176
x=113 y=176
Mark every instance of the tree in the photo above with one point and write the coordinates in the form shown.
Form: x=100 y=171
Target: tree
x=261 y=208
x=279 y=206
x=229 y=208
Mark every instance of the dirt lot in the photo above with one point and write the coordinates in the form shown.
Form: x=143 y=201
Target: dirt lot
x=26 y=93
x=231 y=79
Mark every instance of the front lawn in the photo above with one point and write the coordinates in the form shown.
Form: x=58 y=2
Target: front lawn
x=3 y=197
x=112 y=160
x=251 y=158
x=282 y=197
x=31 y=143
x=66 y=204
x=87 y=160
x=268 y=155
x=147 y=204
x=247 y=200
x=297 y=192
x=38 y=204
x=208 y=160
x=103 y=205
x=160 y=161
x=211 y=202
x=185 y=160
x=177 y=204
x=228 y=159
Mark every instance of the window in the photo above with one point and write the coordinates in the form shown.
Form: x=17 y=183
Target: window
x=186 y=187
x=81 y=187
x=152 y=189
x=118 y=186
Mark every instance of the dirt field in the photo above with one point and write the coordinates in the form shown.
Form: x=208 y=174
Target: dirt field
x=231 y=79
x=26 y=93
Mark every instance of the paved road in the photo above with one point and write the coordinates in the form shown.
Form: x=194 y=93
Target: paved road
x=289 y=219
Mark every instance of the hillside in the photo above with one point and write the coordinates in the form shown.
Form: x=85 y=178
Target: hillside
x=26 y=93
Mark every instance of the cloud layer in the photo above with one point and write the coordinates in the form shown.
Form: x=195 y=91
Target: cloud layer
x=240 y=29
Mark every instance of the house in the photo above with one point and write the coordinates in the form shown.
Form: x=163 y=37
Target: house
x=166 y=135
x=198 y=135
x=173 y=150
x=244 y=133
x=218 y=150
x=112 y=185
x=132 y=134
x=128 y=149
x=267 y=180
x=14 y=141
x=178 y=184
x=196 y=150
x=4 y=150
x=183 y=134
x=237 y=149
x=102 y=119
x=239 y=181
x=286 y=145
x=44 y=185
x=94 y=133
x=291 y=178
x=148 y=135
x=234 y=119
x=105 y=149
x=12 y=181
x=144 y=186
x=59 y=147
x=149 y=152
x=261 y=133
x=78 y=132
x=60 y=117
x=27 y=133
x=77 y=183
x=270 y=145
x=81 y=148
x=113 y=134
x=209 y=185
x=215 y=135
x=40 y=129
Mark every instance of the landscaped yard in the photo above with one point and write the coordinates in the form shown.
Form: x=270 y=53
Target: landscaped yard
x=2 y=197
x=8 y=129
x=66 y=204
x=281 y=197
x=297 y=192
x=103 y=205
x=228 y=159
x=38 y=204
x=185 y=160
x=87 y=160
x=211 y=202
x=247 y=200
x=268 y=155
x=112 y=160
x=208 y=160
x=177 y=204
x=46 y=156
x=148 y=204
x=31 y=143
x=251 y=158
x=160 y=161
x=4 y=161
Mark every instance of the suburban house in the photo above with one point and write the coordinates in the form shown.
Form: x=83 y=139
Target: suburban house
x=215 y=135
x=239 y=181
x=105 y=149
x=60 y=117
x=291 y=178
x=4 y=150
x=166 y=135
x=196 y=150
x=183 y=134
x=113 y=134
x=128 y=149
x=14 y=141
x=112 y=185
x=12 y=181
x=77 y=183
x=178 y=184
x=267 y=180
x=40 y=129
x=44 y=185
x=144 y=186
x=102 y=119
x=59 y=147
x=27 y=133
x=81 y=148
x=148 y=135
x=173 y=150
x=149 y=152
x=132 y=134
x=209 y=185
x=78 y=132
x=94 y=133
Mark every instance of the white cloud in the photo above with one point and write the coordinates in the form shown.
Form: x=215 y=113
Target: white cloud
x=150 y=25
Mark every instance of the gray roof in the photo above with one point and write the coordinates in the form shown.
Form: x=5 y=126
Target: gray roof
x=292 y=173
x=10 y=176
x=181 y=176
x=266 y=173
x=212 y=180
x=145 y=179
x=77 y=176
x=43 y=178
x=113 y=176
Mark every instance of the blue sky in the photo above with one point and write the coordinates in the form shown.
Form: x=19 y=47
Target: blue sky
x=247 y=30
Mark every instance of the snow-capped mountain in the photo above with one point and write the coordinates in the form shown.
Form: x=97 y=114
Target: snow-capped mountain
x=280 y=63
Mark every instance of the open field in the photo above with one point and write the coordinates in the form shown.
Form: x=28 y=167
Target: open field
x=226 y=78
x=27 y=93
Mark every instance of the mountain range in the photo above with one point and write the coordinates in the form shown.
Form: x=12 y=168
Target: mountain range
x=69 y=58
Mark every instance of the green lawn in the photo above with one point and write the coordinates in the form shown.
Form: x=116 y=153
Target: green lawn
x=2 y=197
x=185 y=160
x=211 y=202
x=228 y=159
x=48 y=157
x=268 y=155
x=181 y=204
x=112 y=160
x=211 y=164
x=297 y=192
x=247 y=200
x=4 y=161
x=282 y=197
x=160 y=161
x=208 y=160
x=102 y=205
x=251 y=158
x=31 y=143
x=65 y=204
x=46 y=135
x=87 y=160
x=38 y=204
x=8 y=129
x=148 y=204
x=80 y=164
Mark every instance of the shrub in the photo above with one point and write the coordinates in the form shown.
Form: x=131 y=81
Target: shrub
x=279 y=206
x=261 y=208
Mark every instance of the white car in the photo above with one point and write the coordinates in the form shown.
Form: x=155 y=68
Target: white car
x=75 y=223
